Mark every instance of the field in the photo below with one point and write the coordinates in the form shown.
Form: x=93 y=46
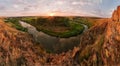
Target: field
x=62 y=27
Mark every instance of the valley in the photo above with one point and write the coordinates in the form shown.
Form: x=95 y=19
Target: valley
x=60 y=40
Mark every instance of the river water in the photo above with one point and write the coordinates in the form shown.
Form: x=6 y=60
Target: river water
x=51 y=43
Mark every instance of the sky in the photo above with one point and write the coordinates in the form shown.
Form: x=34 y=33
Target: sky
x=99 y=8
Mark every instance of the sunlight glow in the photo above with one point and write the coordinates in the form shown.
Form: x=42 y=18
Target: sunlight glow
x=52 y=14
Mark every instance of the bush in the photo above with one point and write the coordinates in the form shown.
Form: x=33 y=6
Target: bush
x=41 y=20
x=59 y=21
x=83 y=21
x=15 y=23
x=76 y=29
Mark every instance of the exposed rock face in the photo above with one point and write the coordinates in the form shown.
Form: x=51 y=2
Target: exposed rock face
x=116 y=14
x=111 y=47
x=118 y=10
x=18 y=48
x=99 y=46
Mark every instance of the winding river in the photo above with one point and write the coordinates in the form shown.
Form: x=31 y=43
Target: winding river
x=51 y=43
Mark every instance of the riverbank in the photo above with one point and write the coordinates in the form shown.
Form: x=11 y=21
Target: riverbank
x=52 y=44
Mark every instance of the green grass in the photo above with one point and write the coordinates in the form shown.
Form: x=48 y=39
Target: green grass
x=14 y=23
x=76 y=29
x=75 y=25
x=84 y=21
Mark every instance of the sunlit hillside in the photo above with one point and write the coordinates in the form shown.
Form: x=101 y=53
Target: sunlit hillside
x=59 y=32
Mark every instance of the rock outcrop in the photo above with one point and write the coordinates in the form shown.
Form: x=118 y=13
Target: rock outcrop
x=99 y=46
x=18 y=48
x=116 y=15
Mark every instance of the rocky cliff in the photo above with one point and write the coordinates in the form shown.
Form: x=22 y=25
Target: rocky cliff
x=99 y=46
x=18 y=48
x=116 y=14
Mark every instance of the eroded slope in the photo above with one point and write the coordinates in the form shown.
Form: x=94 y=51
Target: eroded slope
x=18 y=48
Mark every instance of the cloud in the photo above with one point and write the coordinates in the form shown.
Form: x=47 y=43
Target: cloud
x=86 y=2
x=82 y=3
x=2 y=8
x=60 y=2
x=75 y=7
x=16 y=6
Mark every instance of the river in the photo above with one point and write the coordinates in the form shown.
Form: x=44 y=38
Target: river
x=51 y=43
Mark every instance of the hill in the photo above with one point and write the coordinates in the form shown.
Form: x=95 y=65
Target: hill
x=98 y=46
x=18 y=48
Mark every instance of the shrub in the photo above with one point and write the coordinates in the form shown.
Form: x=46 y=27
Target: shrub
x=83 y=21
x=60 y=21
x=15 y=23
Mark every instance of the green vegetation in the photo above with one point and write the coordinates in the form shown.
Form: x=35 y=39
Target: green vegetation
x=85 y=21
x=51 y=21
x=40 y=23
x=14 y=23
x=52 y=25
x=75 y=30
